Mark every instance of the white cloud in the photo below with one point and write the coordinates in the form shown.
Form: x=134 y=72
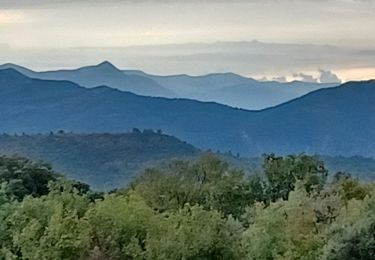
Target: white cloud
x=305 y=77
x=327 y=76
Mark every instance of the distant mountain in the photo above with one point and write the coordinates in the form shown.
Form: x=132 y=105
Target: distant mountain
x=105 y=161
x=225 y=88
x=104 y=73
x=186 y=85
x=332 y=121
x=233 y=90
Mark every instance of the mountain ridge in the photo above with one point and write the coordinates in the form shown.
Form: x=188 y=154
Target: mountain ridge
x=332 y=121
x=104 y=73
x=225 y=88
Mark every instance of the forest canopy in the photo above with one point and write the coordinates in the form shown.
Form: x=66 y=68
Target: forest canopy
x=199 y=209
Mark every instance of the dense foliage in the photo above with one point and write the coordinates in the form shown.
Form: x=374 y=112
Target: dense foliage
x=24 y=177
x=200 y=209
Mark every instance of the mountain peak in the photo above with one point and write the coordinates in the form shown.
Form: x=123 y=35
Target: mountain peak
x=11 y=66
x=8 y=64
x=106 y=64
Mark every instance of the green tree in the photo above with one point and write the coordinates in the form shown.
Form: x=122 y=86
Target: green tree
x=283 y=172
x=193 y=233
x=284 y=230
x=351 y=236
x=119 y=226
x=208 y=182
x=25 y=177
x=52 y=226
x=349 y=188
x=7 y=207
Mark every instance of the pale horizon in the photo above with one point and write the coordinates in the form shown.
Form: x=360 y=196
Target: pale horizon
x=333 y=35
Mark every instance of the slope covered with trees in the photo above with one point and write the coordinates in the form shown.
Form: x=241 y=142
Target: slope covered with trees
x=105 y=161
x=108 y=161
x=203 y=209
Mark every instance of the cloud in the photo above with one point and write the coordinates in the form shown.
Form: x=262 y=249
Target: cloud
x=280 y=79
x=327 y=76
x=10 y=17
x=305 y=77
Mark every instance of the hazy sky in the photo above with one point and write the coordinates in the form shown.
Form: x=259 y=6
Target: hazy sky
x=46 y=34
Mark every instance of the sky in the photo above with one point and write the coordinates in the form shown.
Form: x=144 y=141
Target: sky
x=281 y=39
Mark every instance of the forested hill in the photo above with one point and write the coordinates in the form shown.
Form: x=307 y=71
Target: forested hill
x=108 y=161
x=105 y=161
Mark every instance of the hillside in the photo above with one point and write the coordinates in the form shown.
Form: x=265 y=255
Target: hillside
x=108 y=161
x=333 y=121
x=105 y=161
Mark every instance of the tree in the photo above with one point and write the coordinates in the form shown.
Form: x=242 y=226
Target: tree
x=119 y=226
x=284 y=230
x=51 y=226
x=352 y=236
x=283 y=172
x=193 y=233
x=349 y=188
x=208 y=182
x=24 y=177
x=7 y=208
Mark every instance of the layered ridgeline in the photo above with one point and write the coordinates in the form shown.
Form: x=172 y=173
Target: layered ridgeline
x=333 y=121
x=225 y=88
x=234 y=90
x=105 y=161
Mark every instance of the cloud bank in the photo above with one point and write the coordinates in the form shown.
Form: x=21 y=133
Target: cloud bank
x=158 y=36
